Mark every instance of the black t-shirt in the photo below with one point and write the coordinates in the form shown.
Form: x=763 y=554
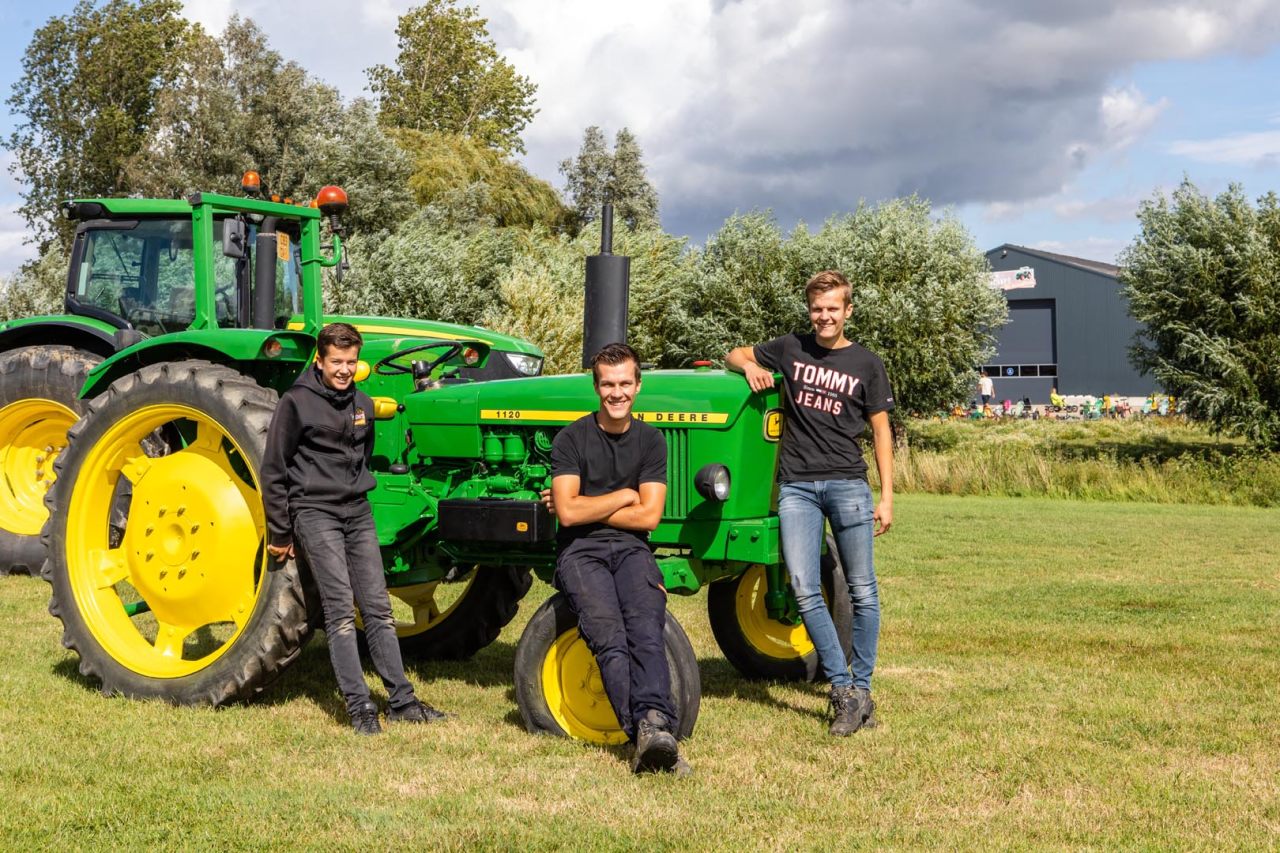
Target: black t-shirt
x=830 y=395
x=604 y=463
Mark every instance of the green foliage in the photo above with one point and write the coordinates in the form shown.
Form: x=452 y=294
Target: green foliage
x=39 y=287
x=437 y=265
x=451 y=170
x=919 y=292
x=595 y=176
x=1203 y=276
x=88 y=89
x=450 y=78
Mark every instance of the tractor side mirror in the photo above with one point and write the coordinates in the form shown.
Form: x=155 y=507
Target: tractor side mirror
x=235 y=238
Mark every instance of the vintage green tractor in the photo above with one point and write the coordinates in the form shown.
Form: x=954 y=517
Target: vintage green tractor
x=154 y=281
x=155 y=529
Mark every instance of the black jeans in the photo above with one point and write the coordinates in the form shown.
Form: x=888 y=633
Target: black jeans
x=342 y=550
x=615 y=588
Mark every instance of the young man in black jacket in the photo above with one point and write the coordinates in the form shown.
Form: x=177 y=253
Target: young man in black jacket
x=609 y=485
x=315 y=478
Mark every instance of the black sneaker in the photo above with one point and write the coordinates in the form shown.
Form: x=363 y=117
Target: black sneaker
x=365 y=720
x=655 y=745
x=416 y=711
x=853 y=710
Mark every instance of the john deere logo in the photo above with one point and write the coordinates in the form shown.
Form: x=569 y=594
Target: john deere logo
x=773 y=424
x=522 y=527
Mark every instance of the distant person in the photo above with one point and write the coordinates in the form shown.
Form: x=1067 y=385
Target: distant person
x=1055 y=399
x=986 y=389
x=834 y=389
x=315 y=481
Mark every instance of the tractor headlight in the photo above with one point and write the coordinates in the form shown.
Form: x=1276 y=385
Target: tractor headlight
x=712 y=482
x=525 y=365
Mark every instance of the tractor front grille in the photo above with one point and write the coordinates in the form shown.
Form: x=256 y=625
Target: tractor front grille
x=679 y=479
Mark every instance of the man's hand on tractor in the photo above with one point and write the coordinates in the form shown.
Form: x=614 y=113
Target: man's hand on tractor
x=548 y=501
x=758 y=377
x=281 y=552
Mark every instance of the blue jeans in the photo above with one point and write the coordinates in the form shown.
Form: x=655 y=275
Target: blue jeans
x=848 y=505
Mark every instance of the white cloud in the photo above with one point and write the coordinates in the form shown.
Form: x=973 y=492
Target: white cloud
x=13 y=231
x=1240 y=149
x=1115 y=208
x=1127 y=115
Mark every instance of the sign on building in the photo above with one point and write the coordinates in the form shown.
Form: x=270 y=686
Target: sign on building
x=1013 y=279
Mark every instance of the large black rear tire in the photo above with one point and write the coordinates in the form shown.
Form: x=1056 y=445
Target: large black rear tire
x=181 y=604
x=558 y=687
x=39 y=388
x=452 y=620
x=760 y=647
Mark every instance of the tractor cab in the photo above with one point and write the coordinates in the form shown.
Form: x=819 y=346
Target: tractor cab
x=155 y=267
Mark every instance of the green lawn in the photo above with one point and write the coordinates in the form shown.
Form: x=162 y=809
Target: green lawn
x=1052 y=674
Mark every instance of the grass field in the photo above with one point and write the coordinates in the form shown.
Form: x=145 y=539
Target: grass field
x=1052 y=674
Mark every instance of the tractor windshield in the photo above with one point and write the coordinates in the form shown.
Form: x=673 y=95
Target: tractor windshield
x=143 y=271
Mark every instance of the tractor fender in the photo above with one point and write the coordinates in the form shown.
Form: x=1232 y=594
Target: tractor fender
x=89 y=336
x=243 y=349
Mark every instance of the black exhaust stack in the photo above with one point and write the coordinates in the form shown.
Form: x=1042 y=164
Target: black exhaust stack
x=264 y=275
x=604 y=314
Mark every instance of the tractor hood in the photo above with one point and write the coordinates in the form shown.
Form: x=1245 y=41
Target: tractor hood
x=448 y=420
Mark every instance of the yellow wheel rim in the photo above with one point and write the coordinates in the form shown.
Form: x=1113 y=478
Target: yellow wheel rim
x=32 y=433
x=420 y=607
x=574 y=692
x=191 y=549
x=767 y=636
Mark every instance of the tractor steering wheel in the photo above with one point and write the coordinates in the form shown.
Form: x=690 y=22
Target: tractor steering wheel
x=390 y=365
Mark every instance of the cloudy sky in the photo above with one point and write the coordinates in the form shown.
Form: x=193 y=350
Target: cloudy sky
x=1041 y=123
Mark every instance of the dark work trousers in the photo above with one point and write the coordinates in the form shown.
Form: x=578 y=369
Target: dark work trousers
x=615 y=588
x=342 y=549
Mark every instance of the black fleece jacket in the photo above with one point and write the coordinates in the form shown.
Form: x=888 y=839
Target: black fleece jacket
x=318 y=451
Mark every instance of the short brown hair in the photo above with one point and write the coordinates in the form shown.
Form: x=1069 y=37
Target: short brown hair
x=339 y=336
x=614 y=354
x=825 y=282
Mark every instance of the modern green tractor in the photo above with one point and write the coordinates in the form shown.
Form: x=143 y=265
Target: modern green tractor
x=155 y=530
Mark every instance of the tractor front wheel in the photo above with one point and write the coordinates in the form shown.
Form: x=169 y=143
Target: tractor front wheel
x=156 y=540
x=558 y=685
x=761 y=647
x=39 y=388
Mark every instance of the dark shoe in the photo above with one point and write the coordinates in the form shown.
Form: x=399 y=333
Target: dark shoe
x=365 y=720
x=853 y=710
x=415 y=712
x=655 y=745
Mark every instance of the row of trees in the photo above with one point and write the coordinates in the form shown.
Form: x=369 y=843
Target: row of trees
x=921 y=297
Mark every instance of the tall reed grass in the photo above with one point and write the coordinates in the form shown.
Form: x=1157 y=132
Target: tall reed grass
x=1152 y=460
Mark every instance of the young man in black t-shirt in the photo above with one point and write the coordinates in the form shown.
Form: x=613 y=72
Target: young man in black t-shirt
x=834 y=388
x=609 y=485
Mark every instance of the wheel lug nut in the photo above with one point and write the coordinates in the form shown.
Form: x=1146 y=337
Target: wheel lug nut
x=194 y=528
x=161 y=512
x=163 y=573
x=150 y=530
x=195 y=554
x=181 y=510
x=182 y=573
x=150 y=554
x=39 y=460
x=39 y=475
x=48 y=448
